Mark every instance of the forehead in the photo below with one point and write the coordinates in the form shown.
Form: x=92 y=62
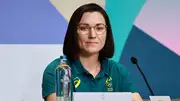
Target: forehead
x=92 y=18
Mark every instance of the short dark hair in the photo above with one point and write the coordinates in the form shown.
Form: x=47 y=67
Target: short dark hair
x=71 y=48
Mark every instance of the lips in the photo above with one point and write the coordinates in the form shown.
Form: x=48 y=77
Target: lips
x=91 y=42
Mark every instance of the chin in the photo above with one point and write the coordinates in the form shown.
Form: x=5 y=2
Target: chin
x=92 y=51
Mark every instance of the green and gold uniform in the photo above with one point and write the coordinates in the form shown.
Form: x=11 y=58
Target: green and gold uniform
x=113 y=77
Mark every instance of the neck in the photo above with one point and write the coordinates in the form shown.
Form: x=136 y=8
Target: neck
x=91 y=63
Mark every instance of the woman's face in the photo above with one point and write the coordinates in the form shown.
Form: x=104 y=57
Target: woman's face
x=91 y=33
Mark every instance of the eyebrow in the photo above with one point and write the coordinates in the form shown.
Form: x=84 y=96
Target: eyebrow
x=86 y=24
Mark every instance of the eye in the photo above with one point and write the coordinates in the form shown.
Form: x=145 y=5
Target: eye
x=83 y=28
x=100 y=28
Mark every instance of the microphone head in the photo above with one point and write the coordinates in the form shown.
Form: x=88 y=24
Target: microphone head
x=134 y=60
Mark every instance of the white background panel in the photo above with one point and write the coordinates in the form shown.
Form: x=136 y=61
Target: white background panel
x=21 y=70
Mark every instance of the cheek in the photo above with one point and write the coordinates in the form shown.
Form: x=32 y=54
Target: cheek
x=80 y=41
x=103 y=40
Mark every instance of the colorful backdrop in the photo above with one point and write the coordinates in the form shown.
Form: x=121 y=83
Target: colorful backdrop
x=32 y=33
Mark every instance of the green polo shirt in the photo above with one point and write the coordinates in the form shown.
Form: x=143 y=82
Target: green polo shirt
x=113 y=77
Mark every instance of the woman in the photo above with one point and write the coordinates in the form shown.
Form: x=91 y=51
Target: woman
x=88 y=46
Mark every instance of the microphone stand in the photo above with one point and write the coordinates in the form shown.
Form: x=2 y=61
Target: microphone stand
x=145 y=80
x=134 y=61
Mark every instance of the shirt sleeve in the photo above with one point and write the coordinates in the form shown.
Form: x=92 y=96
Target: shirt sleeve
x=127 y=82
x=48 y=82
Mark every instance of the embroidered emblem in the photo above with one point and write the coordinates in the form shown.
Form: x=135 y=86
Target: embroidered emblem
x=77 y=82
x=108 y=83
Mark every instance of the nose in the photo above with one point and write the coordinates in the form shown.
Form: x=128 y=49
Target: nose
x=92 y=33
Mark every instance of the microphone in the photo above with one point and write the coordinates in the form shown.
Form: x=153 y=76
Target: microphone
x=135 y=61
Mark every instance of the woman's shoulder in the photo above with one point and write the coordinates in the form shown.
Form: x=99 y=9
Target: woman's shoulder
x=50 y=68
x=117 y=67
x=115 y=64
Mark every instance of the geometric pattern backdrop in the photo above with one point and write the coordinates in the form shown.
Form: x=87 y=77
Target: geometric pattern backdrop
x=154 y=40
x=159 y=64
